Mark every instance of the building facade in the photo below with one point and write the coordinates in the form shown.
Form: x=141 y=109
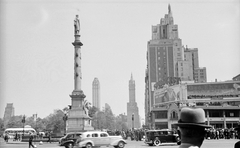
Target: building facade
x=96 y=93
x=200 y=75
x=8 y=113
x=133 y=119
x=220 y=101
x=168 y=62
x=236 y=78
x=164 y=51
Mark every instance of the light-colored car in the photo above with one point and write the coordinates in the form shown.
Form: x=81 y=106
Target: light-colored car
x=98 y=138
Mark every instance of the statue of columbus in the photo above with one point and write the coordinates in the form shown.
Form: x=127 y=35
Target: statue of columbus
x=76 y=26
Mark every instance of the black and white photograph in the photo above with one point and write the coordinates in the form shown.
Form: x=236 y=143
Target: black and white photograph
x=119 y=73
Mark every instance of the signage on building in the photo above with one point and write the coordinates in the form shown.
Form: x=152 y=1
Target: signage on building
x=169 y=94
x=217 y=88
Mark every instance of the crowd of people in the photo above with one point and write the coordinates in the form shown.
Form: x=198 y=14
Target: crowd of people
x=133 y=134
x=220 y=133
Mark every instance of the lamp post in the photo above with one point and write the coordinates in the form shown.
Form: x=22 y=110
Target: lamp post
x=65 y=117
x=23 y=121
x=133 y=121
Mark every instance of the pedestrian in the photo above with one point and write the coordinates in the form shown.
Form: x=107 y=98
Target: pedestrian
x=49 y=137
x=237 y=129
x=6 y=137
x=31 y=140
x=192 y=127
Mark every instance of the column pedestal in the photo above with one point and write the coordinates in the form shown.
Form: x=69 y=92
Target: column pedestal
x=78 y=121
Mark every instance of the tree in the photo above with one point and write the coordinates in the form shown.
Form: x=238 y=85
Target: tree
x=54 y=122
x=110 y=119
x=1 y=126
x=121 y=122
x=15 y=121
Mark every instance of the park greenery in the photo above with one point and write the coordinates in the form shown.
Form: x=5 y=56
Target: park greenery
x=54 y=122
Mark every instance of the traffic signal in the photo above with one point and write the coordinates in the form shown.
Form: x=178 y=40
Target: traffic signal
x=132 y=116
x=23 y=119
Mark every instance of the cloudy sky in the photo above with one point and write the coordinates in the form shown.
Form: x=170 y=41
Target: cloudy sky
x=36 y=51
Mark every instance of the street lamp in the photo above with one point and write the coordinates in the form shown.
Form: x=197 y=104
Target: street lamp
x=23 y=121
x=133 y=121
x=65 y=117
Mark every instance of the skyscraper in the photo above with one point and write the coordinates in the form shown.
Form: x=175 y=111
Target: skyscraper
x=9 y=112
x=96 y=93
x=132 y=108
x=163 y=53
x=168 y=63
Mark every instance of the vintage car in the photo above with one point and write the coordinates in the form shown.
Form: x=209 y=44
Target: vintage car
x=69 y=139
x=98 y=138
x=157 y=137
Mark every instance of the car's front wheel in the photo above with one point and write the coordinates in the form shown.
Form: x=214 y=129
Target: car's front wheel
x=88 y=145
x=121 y=144
x=157 y=142
x=69 y=145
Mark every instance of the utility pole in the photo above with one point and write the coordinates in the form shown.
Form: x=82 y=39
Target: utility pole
x=133 y=121
x=23 y=121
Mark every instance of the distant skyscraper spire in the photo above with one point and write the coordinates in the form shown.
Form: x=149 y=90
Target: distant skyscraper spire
x=132 y=108
x=169 y=10
x=96 y=93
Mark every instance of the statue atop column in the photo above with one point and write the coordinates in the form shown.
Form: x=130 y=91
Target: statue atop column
x=76 y=26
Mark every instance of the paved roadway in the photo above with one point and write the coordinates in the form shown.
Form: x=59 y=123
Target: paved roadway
x=228 y=143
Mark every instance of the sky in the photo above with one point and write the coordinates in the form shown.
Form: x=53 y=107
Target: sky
x=36 y=51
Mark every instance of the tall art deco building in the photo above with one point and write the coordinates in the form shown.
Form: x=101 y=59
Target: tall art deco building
x=163 y=53
x=96 y=93
x=133 y=118
x=174 y=79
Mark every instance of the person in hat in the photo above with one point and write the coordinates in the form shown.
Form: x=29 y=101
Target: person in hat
x=30 y=140
x=237 y=144
x=192 y=127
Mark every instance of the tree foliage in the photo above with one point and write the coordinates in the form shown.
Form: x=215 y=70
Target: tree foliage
x=54 y=122
x=15 y=121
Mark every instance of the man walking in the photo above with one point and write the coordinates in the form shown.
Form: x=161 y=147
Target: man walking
x=30 y=141
x=192 y=127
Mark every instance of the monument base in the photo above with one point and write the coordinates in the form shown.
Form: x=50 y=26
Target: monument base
x=78 y=121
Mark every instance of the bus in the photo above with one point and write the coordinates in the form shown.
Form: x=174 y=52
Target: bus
x=12 y=131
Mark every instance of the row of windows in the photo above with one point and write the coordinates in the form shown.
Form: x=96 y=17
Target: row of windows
x=212 y=113
x=96 y=135
x=228 y=113
x=163 y=115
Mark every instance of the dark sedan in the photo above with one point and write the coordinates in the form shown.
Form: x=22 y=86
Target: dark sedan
x=157 y=137
x=69 y=139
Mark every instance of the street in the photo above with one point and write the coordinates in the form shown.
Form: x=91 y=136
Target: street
x=228 y=143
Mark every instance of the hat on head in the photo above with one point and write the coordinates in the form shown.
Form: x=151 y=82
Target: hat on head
x=192 y=117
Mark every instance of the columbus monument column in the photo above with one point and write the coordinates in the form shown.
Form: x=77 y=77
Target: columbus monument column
x=78 y=119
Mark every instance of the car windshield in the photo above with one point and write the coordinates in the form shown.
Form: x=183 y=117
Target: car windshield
x=69 y=136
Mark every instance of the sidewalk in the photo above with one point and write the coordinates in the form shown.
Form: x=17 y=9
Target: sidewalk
x=15 y=142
